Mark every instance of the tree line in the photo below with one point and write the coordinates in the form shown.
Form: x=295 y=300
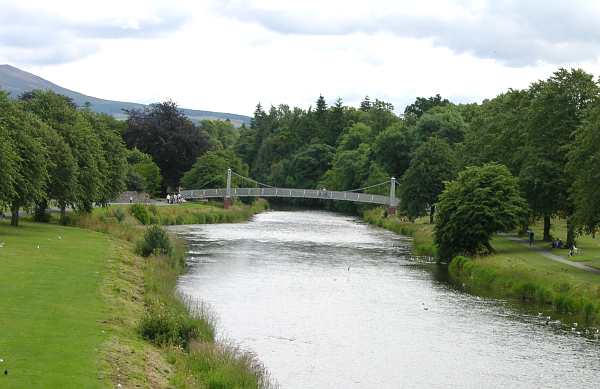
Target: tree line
x=534 y=151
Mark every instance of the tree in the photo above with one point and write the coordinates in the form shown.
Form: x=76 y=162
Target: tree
x=354 y=136
x=143 y=175
x=433 y=163
x=482 y=201
x=558 y=107
x=9 y=165
x=210 y=170
x=222 y=133
x=114 y=155
x=421 y=105
x=62 y=174
x=307 y=166
x=445 y=122
x=584 y=168
x=31 y=175
x=165 y=133
x=61 y=114
x=392 y=149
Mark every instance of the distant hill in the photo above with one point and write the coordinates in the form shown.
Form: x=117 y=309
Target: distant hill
x=17 y=81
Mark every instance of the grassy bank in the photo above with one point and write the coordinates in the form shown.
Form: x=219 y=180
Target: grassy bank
x=515 y=272
x=420 y=231
x=84 y=310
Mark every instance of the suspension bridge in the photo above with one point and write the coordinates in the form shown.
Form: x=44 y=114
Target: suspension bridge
x=263 y=190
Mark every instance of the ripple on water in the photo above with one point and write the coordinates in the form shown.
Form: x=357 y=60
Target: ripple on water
x=329 y=302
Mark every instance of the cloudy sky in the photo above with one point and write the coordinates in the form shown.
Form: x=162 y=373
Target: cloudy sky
x=228 y=55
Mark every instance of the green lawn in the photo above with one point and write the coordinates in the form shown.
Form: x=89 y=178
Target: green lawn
x=588 y=245
x=50 y=306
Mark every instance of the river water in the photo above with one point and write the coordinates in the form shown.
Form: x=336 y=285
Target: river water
x=326 y=301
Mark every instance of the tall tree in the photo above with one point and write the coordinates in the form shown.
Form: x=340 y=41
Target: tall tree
x=392 y=149
x=557 y=110
x=30 y=178
x=584 y=168
x=414 y=111
x=210 y=170
x=434 y=163
x=164 y=132
x=9 y=164
x=445 y=122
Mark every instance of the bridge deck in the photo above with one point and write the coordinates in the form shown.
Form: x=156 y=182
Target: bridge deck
x=289 y=192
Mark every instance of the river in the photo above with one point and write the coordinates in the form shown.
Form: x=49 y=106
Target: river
x=326 y=301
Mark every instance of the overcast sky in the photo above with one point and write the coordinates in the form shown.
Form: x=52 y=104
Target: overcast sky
x=228 y=55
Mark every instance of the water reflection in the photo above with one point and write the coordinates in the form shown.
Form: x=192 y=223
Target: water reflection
x=329 y=302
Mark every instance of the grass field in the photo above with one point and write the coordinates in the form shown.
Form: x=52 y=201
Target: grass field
x=588 y=245
x=51 y=306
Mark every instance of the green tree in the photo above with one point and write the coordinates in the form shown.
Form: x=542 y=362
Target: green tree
x=142 y=173
x=480 y=202
x=445 y=122
x=305 y=168
x=31 y=176
x=165 y=133
x=210 y=170
x=557 y=109
x=222 y=133
x=433 y=163
x=354 y=136
x=9 y=164
x=392 y=149
x=62 y=174
x=61 y=114
x=584 y=168
x=414 y=111
x=113 y=164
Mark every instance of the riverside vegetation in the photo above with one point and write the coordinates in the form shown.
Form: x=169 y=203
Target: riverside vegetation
x=118 y=319
x=514 y=271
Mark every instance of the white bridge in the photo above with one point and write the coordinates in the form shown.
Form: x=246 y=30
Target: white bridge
x=228 y=193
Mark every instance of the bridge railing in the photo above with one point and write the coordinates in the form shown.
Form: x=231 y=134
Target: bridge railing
x=290 y=193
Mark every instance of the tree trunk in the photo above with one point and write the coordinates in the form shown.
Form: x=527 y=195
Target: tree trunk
x=63 y=214
x=431 y=214
x=14 y=219
x=570 y=232
x=547 y=237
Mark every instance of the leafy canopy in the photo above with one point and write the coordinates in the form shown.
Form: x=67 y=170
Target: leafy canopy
x=480 y=202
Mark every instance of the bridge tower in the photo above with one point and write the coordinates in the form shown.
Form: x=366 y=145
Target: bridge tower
x=392 y=204
x=228 y=200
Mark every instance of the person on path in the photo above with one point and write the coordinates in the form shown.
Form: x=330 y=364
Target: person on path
x=168 y=198
x=531 y=238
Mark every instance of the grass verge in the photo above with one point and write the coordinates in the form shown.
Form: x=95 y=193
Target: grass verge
x=420 y=231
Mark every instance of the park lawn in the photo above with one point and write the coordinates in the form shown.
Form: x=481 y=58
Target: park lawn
x=51 y=306
x=588 y=245
x=518 y=261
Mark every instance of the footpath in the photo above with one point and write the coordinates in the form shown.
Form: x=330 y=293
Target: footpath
x=548 y=254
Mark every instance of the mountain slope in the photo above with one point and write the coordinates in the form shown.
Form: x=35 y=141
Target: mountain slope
x=16 y=82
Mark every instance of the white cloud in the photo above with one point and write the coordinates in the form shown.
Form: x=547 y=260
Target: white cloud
x=207 y=55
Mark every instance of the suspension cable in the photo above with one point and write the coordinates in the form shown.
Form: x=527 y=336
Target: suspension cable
x=369 y=187
x=251 y=180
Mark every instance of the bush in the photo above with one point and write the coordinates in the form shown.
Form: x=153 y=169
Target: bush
x=141 y=213
x=155 y=242
x=119 y=214
x=163 y=326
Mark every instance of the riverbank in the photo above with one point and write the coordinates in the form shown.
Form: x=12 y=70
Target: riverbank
x=515 y=272
x=118 y=320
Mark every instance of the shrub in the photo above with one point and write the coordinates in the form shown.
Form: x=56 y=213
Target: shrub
x=119 y=214
x=141 y=213
x=171 y=324
x=156 y=241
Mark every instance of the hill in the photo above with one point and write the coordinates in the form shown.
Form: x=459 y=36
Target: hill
x=16 y=82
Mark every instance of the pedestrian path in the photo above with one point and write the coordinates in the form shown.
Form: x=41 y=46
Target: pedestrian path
x=554 y=257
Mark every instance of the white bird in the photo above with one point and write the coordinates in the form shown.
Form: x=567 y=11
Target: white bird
x=1 y=244
x=38 y=246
